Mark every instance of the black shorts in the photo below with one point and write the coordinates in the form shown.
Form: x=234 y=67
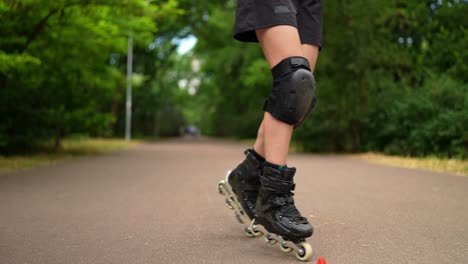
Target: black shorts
x=305 y=15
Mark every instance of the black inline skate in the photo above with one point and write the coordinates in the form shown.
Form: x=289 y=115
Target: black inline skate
x=277 y=216
x=241 y=188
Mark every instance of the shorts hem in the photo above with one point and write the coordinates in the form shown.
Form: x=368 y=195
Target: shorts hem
x=250 y=35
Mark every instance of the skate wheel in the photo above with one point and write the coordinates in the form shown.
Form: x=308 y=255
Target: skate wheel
x=239 y=218
x=270 y=240
x=257 y=233
x=248 y=233
x=253 y=229
x=229 y=203
x=220 y=189
x=305 y=251
x=285 y=248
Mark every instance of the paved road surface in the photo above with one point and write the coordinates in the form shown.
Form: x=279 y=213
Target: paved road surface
x=158 y=203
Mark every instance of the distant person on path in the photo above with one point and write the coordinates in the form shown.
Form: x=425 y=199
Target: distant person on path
x=290 y=35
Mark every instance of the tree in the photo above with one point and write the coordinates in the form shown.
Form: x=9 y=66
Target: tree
x=382 y=71
x=59 y=73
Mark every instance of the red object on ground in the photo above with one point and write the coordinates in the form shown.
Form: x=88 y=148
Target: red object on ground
x=321 y=261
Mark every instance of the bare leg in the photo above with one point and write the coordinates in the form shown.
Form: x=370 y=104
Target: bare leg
x=273 y=135
x=311 y=53
x=276 y=134
x=259 y=145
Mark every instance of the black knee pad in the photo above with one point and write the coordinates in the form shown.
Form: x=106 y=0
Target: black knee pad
x=293 y=95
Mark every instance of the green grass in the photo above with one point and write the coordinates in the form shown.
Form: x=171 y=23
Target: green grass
x=70 y=148
x=459 y=167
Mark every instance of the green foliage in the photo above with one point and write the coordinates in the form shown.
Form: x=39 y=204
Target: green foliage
x=391 y=77
x=16 y=62
x=58 y=72
x=385 y=94
x=234 y=84
x=432 y=119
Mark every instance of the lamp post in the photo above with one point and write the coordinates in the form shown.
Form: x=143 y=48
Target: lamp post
x=128 y=115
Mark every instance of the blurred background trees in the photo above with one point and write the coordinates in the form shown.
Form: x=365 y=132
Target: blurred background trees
x=392 y=75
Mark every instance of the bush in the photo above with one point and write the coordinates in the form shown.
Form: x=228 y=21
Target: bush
x=429 y=120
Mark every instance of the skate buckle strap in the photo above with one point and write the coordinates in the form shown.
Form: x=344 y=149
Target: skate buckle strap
x=278 y=185
x=288 y=65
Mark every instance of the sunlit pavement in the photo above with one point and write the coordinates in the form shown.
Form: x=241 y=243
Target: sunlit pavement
x=158 y=203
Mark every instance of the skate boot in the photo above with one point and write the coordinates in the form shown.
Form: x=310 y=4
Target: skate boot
x=276 y=214
x=241 y=188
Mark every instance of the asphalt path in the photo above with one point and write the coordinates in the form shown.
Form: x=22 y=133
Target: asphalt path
x=158 y=203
